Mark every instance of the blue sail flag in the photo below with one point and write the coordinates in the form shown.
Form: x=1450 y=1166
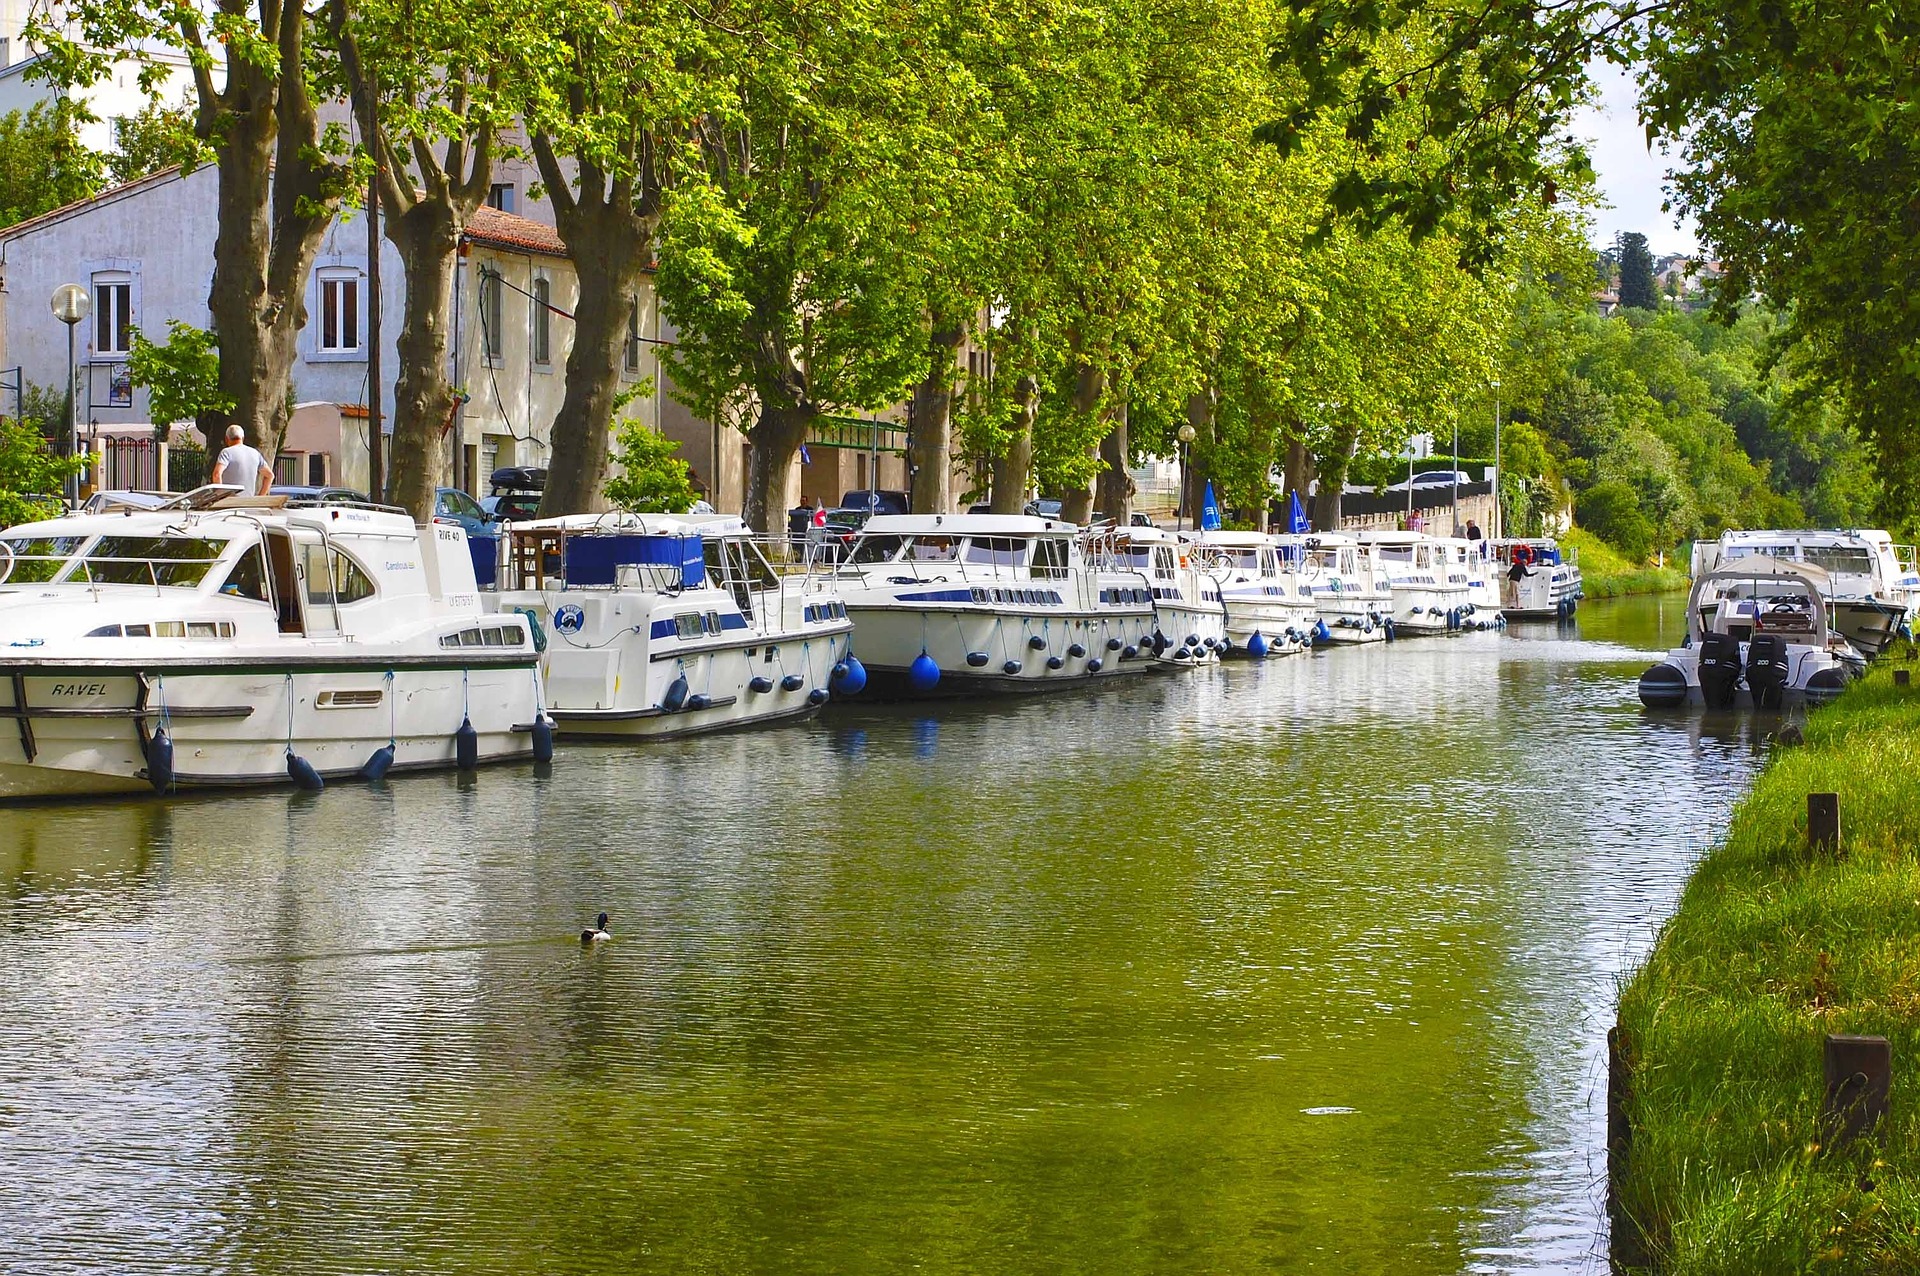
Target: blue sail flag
x=1210 y=510
x=1297 y=517
x=806 y=457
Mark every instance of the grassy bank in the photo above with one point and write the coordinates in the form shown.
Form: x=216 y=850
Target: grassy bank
x=1606 y=573
x=1773 y=947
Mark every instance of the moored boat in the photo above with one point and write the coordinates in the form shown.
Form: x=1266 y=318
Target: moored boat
x=232 y=640
x=1758 y=636
x=1872 y=588
x=1536 y=581
x=947 y=604
x=1427 y=599
x=662 y=625
x=1189 y=616
x=1352 y=594
x=1268 y=600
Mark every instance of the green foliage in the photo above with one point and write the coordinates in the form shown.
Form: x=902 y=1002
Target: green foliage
x=1611 y=511
x=652 y=480
x=42 y=162
x=155 y=138
x=181 y=375
x=1773 y=947
x=31 y=475
x=1637 y=288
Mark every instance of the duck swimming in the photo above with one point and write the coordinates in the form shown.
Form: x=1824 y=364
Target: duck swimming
x=596 y=933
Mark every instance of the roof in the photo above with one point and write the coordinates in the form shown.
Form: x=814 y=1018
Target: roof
x=109 y=196
x=963 y=525
x=493 y=228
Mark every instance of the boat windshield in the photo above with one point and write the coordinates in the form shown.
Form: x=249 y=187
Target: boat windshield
x=997 y=551
x=180 y=561
x=1841 y=560
x=39 y=558
x=879 y=549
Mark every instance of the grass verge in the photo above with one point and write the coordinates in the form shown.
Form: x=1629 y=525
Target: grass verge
x=1774 y=946
x=1606 y=573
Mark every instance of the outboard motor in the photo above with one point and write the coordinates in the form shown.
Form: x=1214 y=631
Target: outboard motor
x=1767 y=670
x=1719 y=670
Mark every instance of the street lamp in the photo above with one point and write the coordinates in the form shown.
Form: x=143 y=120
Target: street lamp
x=71 y=306
x=1185 y=434
x=1499 y=473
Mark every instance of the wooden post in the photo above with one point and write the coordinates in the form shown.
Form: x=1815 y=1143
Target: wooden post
x=1859 y=1075
x=1902 y=677
x=1823 y=821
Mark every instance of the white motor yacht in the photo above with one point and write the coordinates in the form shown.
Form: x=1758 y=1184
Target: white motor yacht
x=1190 y=618
x=232 y=640
x=1537 y=582
x=1758 y=636
x=1467 y=564
x=1353 y=594
x=1429 y=595
x=1269 y=601
x=957 y=603
x=662 y=625
x=1873 y=587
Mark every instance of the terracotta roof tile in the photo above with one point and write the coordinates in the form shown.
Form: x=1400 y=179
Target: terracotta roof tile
x=496 y=229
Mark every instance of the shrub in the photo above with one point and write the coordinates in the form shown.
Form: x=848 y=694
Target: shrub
x=652 y=480
x=1611 y=511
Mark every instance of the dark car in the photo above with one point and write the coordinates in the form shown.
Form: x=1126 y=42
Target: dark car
x=836 y=536
x=1044 y=507
x=876 y=501
x=310 y=494
x=516 y=493
x=451 y=505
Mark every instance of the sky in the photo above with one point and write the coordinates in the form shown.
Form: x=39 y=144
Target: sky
x=1630 y=178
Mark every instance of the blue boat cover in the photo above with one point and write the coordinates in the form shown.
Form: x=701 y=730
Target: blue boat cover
x=596 y=560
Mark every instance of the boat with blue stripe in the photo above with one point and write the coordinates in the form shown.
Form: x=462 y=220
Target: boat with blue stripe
x=661 y=625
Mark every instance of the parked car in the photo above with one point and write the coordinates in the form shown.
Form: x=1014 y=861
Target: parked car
x=1433 y=478
x=836 y=536
x=308 y=494
x=451 y=505
x=1044 y=507
x=876 y=501
x=516 y=493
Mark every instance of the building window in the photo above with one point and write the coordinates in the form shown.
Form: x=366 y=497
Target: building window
x=339 y=312
x=112 y=313
x=316 y=469
x=542 y=320
x=500 y=196
x=633 y=335
x=288 y=468
x=492 y=313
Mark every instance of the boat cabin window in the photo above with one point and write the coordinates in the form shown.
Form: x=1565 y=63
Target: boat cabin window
x=1396 y=553
x=935 y=549
x=1051 y=555
x=1163 y=562
x=1268 y=564
x=1848 y=560
x=248 y=579
x=181 y=561
x=39 y=558
x=879 y=549
x=333 y=578
x=997 y=551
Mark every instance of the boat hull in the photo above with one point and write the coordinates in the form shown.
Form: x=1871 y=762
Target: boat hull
x=71 y=730
x=892 y=636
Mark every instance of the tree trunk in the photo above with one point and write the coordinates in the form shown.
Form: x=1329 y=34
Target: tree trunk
x=775 y=438
x=427 y=236
x=1297 y=473
x=1013 y=463
x=1089 y=385
x=1116 y=485
x=931 y=451
x=1331 y=464
x=608 y=242
x=1193 y=474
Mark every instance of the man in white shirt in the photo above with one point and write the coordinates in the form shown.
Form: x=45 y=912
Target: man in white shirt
x=241 y=465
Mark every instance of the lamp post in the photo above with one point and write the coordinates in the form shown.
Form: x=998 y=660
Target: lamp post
x=1456 y=471
x=1185 y=434
x=71 y=306
x=1499 y=474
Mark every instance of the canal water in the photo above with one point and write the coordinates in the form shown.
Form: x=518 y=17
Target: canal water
x=1296 y=967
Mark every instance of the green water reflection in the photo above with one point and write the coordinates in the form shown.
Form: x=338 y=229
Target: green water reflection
x=1285 y=968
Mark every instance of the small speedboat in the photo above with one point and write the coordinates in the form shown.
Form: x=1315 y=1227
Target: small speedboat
x=1269 y=600
x=662 y=625
x=1536 y=581
x=1758 y=636
x=1872 y=587
x=964 y=603
x=228 y=639
x=1189 y=614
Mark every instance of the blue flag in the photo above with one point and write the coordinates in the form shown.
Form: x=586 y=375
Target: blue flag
x=806 y=457
x=1210 y=510
x=1297 y=517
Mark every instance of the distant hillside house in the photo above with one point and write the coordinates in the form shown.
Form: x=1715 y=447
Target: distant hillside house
x=144 y=251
